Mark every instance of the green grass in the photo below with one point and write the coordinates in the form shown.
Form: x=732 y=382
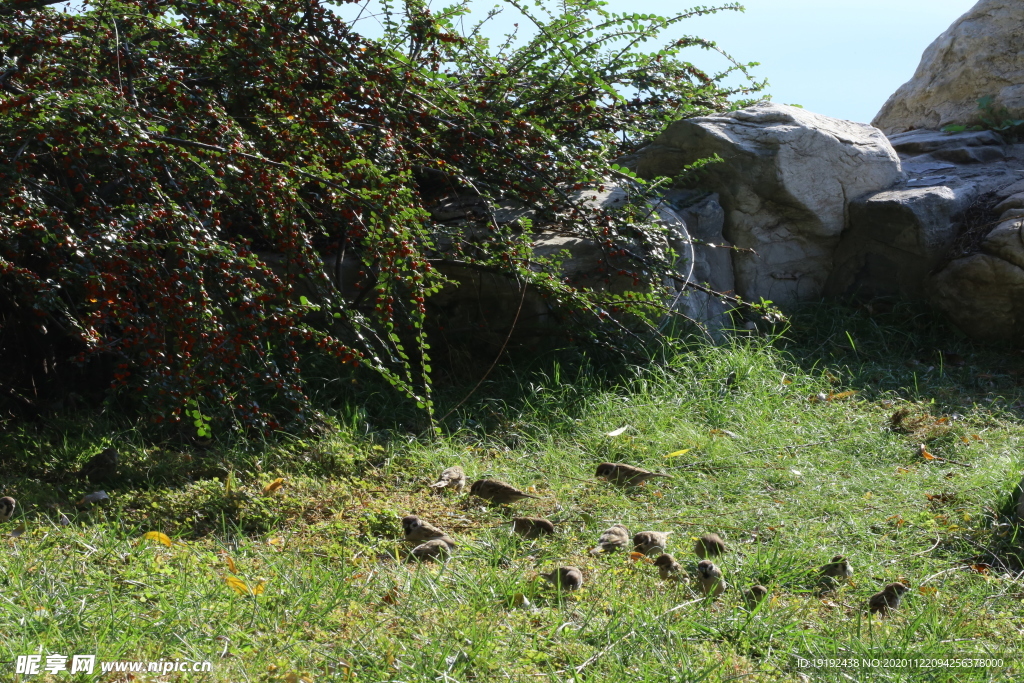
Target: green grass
x=788 y=480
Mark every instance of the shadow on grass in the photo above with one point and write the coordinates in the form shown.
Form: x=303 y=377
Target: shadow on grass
x=884 y=349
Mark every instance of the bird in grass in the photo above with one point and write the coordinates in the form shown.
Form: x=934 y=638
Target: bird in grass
x=569 y=578
x=834 y=572
x=625 y=475
x=887 y=599
x=431 y=550
x=532 y=527
x=709 y=545
x=647 y=542
x=753 y=596
x=613 y=538
x=453 y=477
x=668 y=568
x=7 y=505
x=497 y=491
x=100 y=467
x=418 y=530
x=710 y=579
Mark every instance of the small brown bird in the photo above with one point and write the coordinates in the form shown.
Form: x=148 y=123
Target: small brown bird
x=418 y=530
x=569 y=578
x=7 y=505
x=100 y=467
x=887 y=599
x=532 y=527
x=431 y=550
x=668 y=568
x=835 y=572
x=625 y=475
x=753 y=596
x=710 y=578
x=497 y=491
x=613 y=538
x=647 y=542
x=709 y=545
x=453 y=477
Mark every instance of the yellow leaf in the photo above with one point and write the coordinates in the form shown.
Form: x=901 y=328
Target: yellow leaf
x=156 y=536
x=237 y=585
x=674 y=454
x=868 y=494
x=277 y=540
x=242 y=588
x=273 y=486
x=976 y=437
x=231 y=564
x=927 y=590
x=926 y=455
x=902 y=470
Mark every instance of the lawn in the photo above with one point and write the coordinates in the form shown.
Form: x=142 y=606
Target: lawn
x=794 y=448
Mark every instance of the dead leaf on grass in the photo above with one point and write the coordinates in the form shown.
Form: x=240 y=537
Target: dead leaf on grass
x=155 y=536
x=273 y=486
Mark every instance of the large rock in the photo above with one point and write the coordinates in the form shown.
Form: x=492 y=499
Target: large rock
x=693 y=223
x=979 y=55
x=482 y=305
x=705 y=259
x=896 y=237
x=983 y=293
x=786 y=179
x=967 y=147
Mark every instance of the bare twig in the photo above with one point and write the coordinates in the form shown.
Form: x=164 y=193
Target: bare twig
x=938 y=539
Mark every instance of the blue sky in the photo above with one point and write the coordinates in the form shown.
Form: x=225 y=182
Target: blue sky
x=842 y=58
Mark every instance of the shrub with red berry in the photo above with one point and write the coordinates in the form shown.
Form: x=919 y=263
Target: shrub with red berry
x=182 y=182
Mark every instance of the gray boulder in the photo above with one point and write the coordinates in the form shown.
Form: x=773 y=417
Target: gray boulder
x=963 y=148
x=786 y=179
x=978 y=56
x=983 y=293
x=896 y=237
x=482 y=305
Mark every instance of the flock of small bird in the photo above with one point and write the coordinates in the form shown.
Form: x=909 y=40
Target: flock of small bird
x=431 y=542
